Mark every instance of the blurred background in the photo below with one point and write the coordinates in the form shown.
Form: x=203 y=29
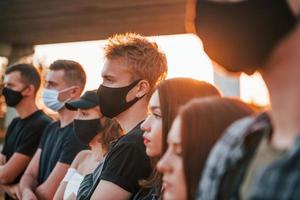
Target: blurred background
x=40 y=32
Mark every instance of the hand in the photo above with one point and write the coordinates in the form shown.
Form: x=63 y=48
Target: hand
x=27 y=194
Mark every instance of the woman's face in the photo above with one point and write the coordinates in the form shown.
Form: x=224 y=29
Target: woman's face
x=171 y=166
x=152 y=128
x=91 y=113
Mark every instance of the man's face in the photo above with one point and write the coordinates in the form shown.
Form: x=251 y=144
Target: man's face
x=13 y=81
x=115 y=74
x=55 y=80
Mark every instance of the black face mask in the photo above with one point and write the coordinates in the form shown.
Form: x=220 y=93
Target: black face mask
x=86 y=130
x=240 y=36
x=12 y=97
x=112 y=101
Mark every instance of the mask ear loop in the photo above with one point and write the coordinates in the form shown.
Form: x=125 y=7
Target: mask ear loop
x=65 y=90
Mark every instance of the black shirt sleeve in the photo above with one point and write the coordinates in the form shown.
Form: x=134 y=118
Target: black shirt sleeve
x=125 y=165
x=9 y=129
x=71 y=147
x=31 y=139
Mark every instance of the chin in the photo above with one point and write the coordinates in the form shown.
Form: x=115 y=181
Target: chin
x=149 y=152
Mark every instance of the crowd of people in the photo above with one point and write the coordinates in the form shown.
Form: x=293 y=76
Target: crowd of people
x=141 y=136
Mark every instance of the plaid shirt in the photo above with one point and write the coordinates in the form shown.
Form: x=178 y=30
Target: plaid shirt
x=280 y=180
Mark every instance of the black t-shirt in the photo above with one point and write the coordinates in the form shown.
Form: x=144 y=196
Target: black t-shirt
x=23 y=136
x=127 y=162
x=57 y=145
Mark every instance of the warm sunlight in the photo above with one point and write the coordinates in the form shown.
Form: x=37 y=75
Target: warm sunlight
x=254 y=90
x=184 y=54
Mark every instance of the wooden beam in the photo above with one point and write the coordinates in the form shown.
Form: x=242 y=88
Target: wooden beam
x=55 y=21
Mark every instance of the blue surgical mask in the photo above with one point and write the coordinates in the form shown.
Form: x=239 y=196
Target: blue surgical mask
x=50 y=99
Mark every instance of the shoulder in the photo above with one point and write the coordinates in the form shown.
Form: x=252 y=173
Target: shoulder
x=132 y=141
x=50 y=128
x=13 y=122
x=41 y=117
x=80 y=158
x=134 y=137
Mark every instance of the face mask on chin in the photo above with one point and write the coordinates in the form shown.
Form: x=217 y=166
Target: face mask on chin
x=51 y=99
x=241 y=35
x=112 y=101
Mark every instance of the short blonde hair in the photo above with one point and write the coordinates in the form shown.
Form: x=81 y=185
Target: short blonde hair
x=143 y=57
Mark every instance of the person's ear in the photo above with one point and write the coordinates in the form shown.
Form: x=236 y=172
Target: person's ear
x=140 y=90
x=29 y=90
x=143 y=88
x=75 y=92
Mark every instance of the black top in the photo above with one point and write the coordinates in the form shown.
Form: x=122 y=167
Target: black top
x=127 y=162
x=23 y=136
x=57 y=145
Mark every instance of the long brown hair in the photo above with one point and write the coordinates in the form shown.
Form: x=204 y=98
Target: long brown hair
x=202 y=123
x=174 y=93
x=110 y=131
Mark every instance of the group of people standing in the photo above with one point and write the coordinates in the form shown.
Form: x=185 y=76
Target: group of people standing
x=143 y=137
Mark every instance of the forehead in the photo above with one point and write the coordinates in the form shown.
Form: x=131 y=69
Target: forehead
x=174 y=134
x=115 y=68
x=56 y=76
x=12 y=77
x=154 y=100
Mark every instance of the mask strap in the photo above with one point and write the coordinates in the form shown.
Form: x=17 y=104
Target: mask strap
x=24 y=89
x=62 y=91
x=134 y=83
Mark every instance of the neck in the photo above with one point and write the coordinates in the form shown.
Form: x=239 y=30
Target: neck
x=134 y=115
x=98 y=152
x=26 y=107
x=282 y=78
x=66 y=117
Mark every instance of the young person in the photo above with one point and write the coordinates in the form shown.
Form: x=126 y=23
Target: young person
x=21 y=84
x=195 y=130
x=133 y=67
x=163 y=107
x=89 y=130
x=59 y=146
x=261 y=161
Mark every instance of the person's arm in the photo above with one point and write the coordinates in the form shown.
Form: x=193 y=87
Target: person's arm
x=59 y=194
x=13 y=168
x=29 y=182
x=46 y=190
x=110 y=191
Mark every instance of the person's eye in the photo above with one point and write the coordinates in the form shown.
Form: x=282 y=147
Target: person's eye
x=108 y=80
x=156 y=116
